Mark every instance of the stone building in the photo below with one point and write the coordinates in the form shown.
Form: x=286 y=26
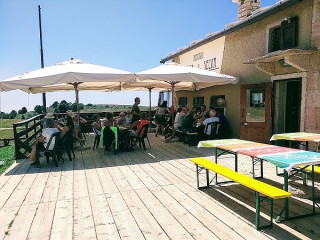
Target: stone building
x=274 y=53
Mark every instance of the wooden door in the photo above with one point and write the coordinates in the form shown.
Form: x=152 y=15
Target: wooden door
x=255 y=112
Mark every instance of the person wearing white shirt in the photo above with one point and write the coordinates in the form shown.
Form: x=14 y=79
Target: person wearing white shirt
x=212 y=118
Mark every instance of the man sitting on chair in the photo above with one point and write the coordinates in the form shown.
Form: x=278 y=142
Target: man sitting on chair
x=212 y=118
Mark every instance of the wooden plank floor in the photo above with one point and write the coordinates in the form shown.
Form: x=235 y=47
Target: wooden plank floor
x=139 y=195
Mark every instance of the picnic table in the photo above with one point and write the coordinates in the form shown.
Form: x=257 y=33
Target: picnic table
x=302 y=137
x=288 y=159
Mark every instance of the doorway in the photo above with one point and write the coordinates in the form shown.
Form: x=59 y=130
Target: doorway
x=287 y=105
x=255 y=115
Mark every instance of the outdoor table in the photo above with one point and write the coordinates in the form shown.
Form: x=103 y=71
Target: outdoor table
x=288 y=159
x=299 y=137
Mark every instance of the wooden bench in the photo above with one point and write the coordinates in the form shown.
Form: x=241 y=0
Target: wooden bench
x=316 y=169
x=270 y=192
x=187 y=137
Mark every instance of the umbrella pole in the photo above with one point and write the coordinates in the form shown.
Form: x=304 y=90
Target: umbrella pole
x=150 y=88
x=172 y=107
x=44 y=100
x=77 y=100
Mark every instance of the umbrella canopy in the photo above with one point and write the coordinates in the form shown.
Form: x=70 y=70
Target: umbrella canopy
x=182 y=77
x=173 y=72
x=61 y=75
x=74 y=74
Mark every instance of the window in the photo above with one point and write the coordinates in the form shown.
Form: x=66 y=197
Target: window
x=257 y=98
x=274 y=39
x=198 y=101
x=284 y=36
x=182 y=101
x=255 y=105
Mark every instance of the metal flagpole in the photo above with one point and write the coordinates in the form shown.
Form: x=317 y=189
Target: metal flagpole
x=44 y=101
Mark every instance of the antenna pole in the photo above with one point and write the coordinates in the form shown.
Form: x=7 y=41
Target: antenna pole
x=42 y=62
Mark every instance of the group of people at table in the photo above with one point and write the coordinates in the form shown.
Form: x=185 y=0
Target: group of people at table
x=193 y=120
x=69 y=130
x=128 y=128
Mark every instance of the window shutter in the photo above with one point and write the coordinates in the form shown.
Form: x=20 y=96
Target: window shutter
x=289 y=33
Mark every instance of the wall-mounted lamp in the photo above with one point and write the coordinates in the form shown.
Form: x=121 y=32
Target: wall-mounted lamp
x=283 y=63
x=287 y=19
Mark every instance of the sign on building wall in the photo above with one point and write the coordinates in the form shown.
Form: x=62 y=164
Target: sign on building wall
x=208 y=56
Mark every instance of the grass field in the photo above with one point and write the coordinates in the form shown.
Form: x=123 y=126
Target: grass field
x=6 y=157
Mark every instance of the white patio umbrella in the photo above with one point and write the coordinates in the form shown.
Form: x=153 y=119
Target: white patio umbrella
x=74 y=74
x=182 y=77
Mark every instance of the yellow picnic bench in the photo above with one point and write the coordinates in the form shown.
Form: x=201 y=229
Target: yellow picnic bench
x=269 y=192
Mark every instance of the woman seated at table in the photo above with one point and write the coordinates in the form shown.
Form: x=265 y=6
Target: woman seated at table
x=76 y=131
x=66 y=135
x=188 y=122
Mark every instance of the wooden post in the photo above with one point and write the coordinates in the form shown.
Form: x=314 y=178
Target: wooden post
x=16 y=147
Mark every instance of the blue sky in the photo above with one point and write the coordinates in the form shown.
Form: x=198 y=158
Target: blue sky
x=132 y=35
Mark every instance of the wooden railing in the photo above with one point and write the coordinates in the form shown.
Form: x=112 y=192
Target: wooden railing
x=25 y=133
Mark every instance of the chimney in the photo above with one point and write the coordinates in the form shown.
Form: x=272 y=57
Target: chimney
x=246 y=7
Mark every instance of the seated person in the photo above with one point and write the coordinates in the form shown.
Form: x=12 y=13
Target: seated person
x=179 y=118
x=139 y=124
x=67 y=135
x=96 y=124
x=76 y=122
x=123 y=136
x=188 y=122
x=47 y=120
x=122 y=120
x=49 y=128
x=110 y=120
x=211 y=119
x=203 y=112
x=129 y=116
x=224 y=131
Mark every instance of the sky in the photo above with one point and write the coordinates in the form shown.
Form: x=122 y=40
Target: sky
x=132 y=35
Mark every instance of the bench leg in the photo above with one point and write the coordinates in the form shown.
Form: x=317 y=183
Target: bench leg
x=255 y=161
x=198 y=169
x=259 y=200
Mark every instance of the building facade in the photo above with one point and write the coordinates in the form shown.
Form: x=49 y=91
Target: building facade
x=274 y=53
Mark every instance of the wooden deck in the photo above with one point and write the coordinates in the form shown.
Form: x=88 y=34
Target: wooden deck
x=137 y=195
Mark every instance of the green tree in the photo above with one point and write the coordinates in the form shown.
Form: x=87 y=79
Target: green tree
x=23 y=110
x=63 y=107
x=38 y=109
x=55 y=104
x=13 y=114
x=74 y=107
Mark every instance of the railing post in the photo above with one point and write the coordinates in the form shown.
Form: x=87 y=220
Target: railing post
x=15 y=141
x=26 y=127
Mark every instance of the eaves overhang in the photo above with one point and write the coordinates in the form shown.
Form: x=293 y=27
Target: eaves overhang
x=296 y=58
x=239 y=25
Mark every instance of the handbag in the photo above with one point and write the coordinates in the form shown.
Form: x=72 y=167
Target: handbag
x=33 y=154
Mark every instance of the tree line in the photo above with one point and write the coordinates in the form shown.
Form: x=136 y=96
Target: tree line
x=58 y=107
